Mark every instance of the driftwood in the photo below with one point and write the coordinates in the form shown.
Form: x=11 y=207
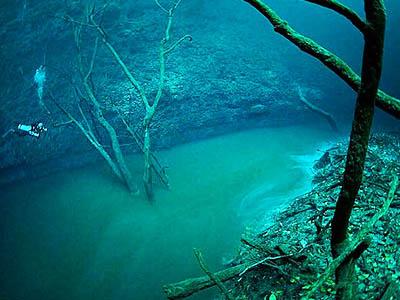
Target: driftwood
x=190 y=286
x=314 y=108
x=214 y=278
x=356 y=244
x=276 y=253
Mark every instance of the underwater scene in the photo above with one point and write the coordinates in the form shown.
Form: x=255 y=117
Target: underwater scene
x=191 y=149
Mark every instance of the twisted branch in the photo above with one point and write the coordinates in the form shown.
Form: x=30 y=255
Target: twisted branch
x=178 y=42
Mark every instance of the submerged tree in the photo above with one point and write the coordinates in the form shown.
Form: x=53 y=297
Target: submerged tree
x=97 y=110
x=373 y=30
x=384 y=101
x=166 y=47
x=117 y=160
x=87 y=131
x=345 y=250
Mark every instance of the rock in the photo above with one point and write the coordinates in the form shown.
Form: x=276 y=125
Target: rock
x=323 y=161
x=213 y=86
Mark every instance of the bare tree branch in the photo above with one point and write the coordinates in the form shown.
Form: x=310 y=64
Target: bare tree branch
x=343 y=10
x=90 y=70
x=211 y=275
x=177 y=43
x=355 y=241
x=329 y=118
x=160 y=6
x=384 y=101
x=125 y=69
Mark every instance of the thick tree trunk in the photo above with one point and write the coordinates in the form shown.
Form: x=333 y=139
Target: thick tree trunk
x=363 y=117
x=358 y=243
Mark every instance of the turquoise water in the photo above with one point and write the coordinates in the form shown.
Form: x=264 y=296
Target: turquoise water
x=79 y=235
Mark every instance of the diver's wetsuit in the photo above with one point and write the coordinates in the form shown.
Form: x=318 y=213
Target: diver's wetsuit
x=31 y=130
x=35 y=130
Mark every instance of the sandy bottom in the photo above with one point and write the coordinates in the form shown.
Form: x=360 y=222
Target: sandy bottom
x=80 y=235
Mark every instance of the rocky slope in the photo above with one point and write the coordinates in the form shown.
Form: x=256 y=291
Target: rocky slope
x=234 y=75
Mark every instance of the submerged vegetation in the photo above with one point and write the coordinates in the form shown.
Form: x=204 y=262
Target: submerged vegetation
x=289 y=258
x=141 y=134
x=338 y=241
x=345 y=249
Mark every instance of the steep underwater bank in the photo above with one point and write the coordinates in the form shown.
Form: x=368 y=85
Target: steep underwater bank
x=235 y=75
x=227 y=79
x=79 y=235
x=64 y=149
x=212 y=86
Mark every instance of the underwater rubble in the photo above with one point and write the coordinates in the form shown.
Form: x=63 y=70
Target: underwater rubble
x=290 y=253
x=285 y=259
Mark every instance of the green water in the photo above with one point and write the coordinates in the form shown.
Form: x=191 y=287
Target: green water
x=79 y=235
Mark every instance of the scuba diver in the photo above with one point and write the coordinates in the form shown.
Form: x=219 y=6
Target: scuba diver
x=35 y=130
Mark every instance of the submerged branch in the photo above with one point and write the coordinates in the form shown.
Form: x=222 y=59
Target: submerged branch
x=329 y=118
x=177 y=43
x=190 y=286
x=355 y=242
x=212 y=276
x=119 y=60
x=384 y=101
x=343 y=10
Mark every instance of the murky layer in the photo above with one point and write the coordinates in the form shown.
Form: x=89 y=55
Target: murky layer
x=79 y=235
